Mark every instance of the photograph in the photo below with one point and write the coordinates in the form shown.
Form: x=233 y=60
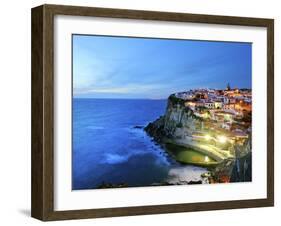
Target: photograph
x=158 y=112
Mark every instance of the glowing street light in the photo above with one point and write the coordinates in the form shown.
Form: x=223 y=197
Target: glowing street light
x=222 y=139
x=207 y=137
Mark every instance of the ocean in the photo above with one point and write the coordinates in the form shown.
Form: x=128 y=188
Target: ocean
x=111 y=147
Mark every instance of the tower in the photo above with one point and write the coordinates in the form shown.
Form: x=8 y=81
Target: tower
x=228 y=86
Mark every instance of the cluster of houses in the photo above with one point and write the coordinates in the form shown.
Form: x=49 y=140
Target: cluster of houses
x=229 y=109
x=238 y=100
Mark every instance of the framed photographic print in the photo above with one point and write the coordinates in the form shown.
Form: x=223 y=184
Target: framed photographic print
x=141 y=112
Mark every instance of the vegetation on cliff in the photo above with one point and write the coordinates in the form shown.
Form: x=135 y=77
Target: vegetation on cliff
x=179 y=121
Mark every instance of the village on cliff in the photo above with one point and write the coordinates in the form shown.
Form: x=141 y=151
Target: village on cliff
x=228 y=110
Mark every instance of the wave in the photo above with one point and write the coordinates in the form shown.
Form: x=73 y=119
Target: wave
x=95 y=127
x=185 y=174
x=115 y=158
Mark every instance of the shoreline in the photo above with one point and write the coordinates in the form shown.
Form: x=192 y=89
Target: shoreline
x=181 y=127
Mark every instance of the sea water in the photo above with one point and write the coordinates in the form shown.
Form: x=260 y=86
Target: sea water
x=111 y=147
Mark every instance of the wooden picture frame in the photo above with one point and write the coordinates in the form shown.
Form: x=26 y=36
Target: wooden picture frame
x=42 y=205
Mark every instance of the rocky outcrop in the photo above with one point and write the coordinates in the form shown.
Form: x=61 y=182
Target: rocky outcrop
x=179 y=121
x=242 y=169
x=156 y=129
x=238 y=169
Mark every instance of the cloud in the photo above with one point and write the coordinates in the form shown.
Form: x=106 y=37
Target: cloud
x=125 y=89
x=154 y=69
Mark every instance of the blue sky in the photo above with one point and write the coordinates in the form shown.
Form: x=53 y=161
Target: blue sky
x=119 y=67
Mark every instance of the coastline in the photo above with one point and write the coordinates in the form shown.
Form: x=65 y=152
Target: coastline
x=175 y=128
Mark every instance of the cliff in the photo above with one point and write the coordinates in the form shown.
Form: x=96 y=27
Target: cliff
x=180 y=123
x=238 y=169
x=242 y=169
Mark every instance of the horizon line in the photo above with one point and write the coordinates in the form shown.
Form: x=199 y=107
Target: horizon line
x=75 y=97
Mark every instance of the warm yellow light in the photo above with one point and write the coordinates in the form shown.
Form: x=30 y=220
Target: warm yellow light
x=222 y=139
x=206 y=159
x=207 y=137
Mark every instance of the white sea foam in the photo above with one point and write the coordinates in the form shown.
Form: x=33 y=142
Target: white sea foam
x=95 y=127
x=185 y=174
x=115 y=158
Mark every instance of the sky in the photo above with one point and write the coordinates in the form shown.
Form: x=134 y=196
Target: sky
x=147 y=68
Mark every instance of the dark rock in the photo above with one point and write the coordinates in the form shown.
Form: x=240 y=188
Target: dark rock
x=242 y=170
x=156 y=129
x=138 y=127
x=110 y=185
x=195 y=182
